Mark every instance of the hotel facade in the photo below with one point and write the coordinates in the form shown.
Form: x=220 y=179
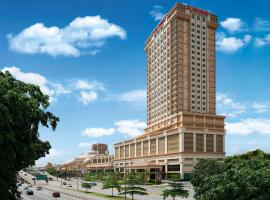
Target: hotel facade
x=182 y=125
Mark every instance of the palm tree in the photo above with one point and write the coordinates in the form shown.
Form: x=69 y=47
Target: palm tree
x=176 y=188
x=111 y=181
x=132 y=188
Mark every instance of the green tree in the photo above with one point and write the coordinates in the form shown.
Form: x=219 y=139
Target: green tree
x=176 y=188
x=165 y=193
x=86 y=186
x=204 y=168
x=245 y=176
x=52 y=171
x=132 y=180
x=23 y=109
x=94 y=176
x=111 y=181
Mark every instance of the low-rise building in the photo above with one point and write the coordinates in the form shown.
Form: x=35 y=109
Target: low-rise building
x=96 y=160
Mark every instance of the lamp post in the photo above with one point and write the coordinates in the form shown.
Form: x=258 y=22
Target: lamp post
x=124 y=150
x=77 y=177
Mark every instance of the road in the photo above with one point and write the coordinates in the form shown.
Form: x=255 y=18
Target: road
x=154 y=191
x=42 y=194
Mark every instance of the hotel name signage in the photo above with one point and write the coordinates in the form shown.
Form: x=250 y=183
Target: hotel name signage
x=198 y=11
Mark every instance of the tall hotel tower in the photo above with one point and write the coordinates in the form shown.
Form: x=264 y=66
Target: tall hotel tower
x=182 y=125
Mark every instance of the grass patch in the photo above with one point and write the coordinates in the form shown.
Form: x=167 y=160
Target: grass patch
x=105 y=196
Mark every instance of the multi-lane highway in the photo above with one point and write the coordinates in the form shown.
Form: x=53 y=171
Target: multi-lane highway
x=42 y=194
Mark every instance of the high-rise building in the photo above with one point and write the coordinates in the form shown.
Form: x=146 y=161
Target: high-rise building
x=100 y=148
x=182 y=125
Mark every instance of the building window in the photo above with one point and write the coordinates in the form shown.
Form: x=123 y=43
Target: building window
x=198 y=18
x=174 y=168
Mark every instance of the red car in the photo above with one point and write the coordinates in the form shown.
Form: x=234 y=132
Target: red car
x=56 y=194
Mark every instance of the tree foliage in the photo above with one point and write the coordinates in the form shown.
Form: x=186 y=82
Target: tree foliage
x=86 y=186
x=22 y=111
x=94 y=176
x=111 y=182
x=176 y=188
x=52 y=171
x=242 y=177
x=132 y=180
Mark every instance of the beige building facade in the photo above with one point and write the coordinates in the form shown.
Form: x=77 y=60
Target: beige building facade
x=96 y=160
x=182 y=125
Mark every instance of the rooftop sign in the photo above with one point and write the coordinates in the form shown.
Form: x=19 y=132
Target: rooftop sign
x=198 y=11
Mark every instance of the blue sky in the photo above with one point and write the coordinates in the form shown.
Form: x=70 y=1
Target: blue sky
x=88 y=56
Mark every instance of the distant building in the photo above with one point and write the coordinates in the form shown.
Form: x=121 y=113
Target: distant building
x=98 y=159
x=182 y=125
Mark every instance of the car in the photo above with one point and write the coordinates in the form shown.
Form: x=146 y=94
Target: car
x=64 y=183
x=25 y=188
x=25 y=174
x=29 y=185
x=38 y=188
x=69 y=185
x=93 y=184
x=29 y=192
x=55 y=194
x=19 y=184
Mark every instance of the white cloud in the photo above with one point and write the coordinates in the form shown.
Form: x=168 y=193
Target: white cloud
x=47 y=87
x=133 y=96
x=59 y=89
x=84 y=145
x=83 y=35
x=54 y=156
x=87 y=97
x=85 y=85
x=231 y=44
x=98 y=132
x=260 y=108
x=252 y=142
x=132 y=127
x=249 y=126
x=259 y=42
x=54 y=153
x=233 y=24
x=156 y=12
x=227 y=106
x=261 y=24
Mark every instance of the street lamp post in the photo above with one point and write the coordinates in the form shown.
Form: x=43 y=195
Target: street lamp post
x=77 y=177
x=124 y=150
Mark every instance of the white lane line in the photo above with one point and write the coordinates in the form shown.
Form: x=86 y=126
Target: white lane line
x=25 y=197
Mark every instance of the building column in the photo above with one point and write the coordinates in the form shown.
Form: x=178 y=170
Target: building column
x=149 y=150
x=223 y=142
x=215 y=143
x=182 y=170
x=166 y=170
x=194 y=142
x=166 y=144
x=135 y=149
x=129 y=150
x=124 y=151
x=156 y=146
x=141 y=148
x=181 y=141
x=204 y=142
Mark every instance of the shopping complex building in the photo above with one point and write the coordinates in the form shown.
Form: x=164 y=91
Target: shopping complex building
x=182 y=125
x=96 y=160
